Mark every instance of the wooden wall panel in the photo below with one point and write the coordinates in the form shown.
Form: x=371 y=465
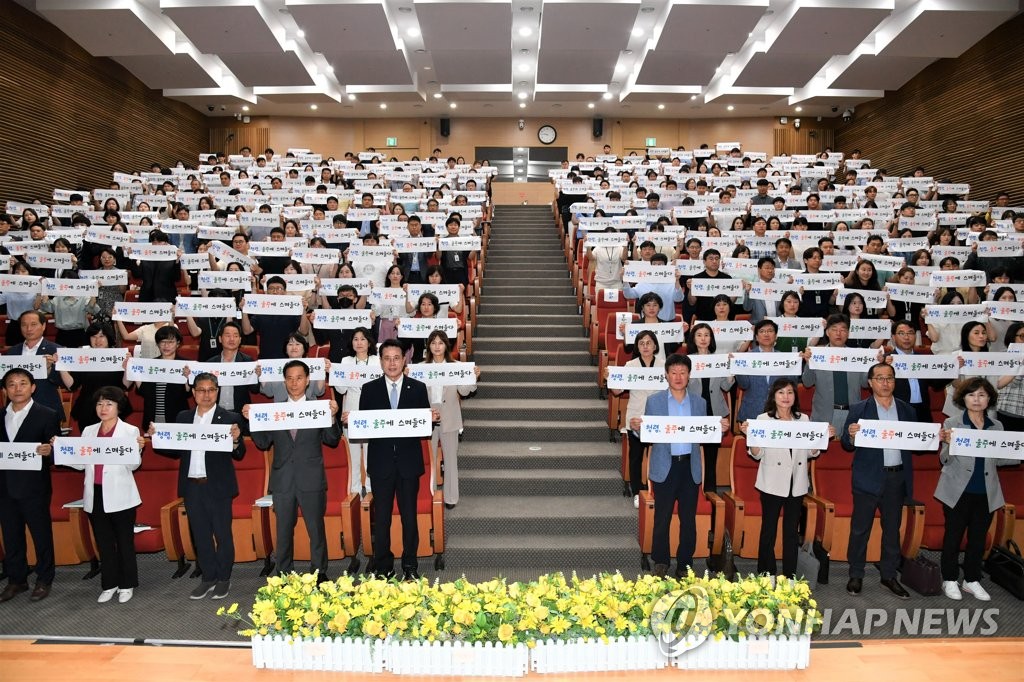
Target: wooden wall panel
x=807 y=140
x=230 y=139
x=961 y=119
x=69 y=119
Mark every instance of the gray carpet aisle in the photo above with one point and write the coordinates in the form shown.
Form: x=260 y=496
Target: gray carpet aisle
x=539 y=482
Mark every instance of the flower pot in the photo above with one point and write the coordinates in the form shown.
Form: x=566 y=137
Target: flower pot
x=456 y=658
x=575 y=656
x=749 y=653
x=337 y=654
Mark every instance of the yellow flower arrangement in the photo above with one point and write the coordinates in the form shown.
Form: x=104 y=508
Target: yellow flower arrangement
x=596 y=608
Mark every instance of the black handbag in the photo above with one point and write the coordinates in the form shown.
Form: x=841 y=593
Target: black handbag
x=724 y=562
x=1006 y=568
x=922 y=575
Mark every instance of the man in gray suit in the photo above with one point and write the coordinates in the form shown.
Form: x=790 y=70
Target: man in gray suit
x=834 y=392
x=297 y=476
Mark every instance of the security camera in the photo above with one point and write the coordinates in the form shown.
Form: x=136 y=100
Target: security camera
x=223 y=108
x=522 y=124
x=796 y=123
x=834 y=108
x=210 y=107
x=847 y=115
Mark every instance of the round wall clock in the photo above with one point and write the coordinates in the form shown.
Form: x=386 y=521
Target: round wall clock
x=547 y=134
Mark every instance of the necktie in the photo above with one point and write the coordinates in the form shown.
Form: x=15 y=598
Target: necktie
x=294 y=432
x=394 y=396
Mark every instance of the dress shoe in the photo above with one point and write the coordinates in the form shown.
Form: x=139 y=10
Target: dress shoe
x=202 y=590
x=125 y=595
x=221 y=590
x=41 y=592
x=411 y=576
x=106 y=595
x=660 y=570
x=855 y=585
x=11 y=590
x=449 y=507
x=975 y=589
x=894 y=586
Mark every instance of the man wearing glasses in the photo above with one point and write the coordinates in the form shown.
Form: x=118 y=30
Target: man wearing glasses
x=208 y=483
x=912 y=391
x=882 y=480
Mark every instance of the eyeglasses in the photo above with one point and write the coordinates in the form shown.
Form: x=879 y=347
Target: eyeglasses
x=204 y=390
x=904 y=333
x=884 y=380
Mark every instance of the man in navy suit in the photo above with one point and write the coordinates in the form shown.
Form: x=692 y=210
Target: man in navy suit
x=33 y=326
x=208 y=483
x=395 y=465
x=674 y=468
x=882 y=480
x=25 y=495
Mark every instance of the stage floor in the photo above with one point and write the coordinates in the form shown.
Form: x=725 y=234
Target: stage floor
x=936 y=660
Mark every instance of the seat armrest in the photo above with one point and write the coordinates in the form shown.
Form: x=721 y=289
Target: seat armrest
x=913 y=530
x=437 y=518
x=734 y=513
x=350 y=536
x=263 y=541
x=825 y=519
x=81 y=534
x=169 y=529
x=365 y=507
x=717 y=522
x=811 y=525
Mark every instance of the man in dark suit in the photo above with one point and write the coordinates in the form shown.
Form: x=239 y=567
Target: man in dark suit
x=394 y=464
x=233 y=398
x=297 y=477
x=159 y=277
x=208 y=483
x=414 y=265
x=911 y=391
x=25 y=495
x=882 y=480
x=33 y=326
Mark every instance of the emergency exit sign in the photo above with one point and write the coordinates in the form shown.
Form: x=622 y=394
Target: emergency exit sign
x=650 y=142
x=392 y=142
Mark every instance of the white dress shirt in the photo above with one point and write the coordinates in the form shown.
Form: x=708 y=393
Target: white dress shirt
x=14 y=419
x=197 y=463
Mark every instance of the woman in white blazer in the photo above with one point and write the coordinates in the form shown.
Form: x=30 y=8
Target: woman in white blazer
x=782 y=479
x=110 y=498
x=968 y=489
x=446 y=400
x=364 y=355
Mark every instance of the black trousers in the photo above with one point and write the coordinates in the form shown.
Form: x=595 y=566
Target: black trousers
x=922 y=411
x=33 y=512
x=385 y=490
x=313 y=505
x=890 y=506
x=710 y=466
x=209 y=518
x=970 y=514
x=636 y=464
x=679 y=487
x=115 y=542
x=771 y=507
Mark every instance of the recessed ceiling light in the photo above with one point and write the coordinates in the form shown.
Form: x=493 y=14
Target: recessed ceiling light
x=301 y=33
x=606 y=95
x=522 y=95
x=524 y=50
x=661 y=106
x=693 y=97
x=330 y=69
x=313 y=107
x=525 y=31
x=412 y=32
x=421 y=51
x=730 y=108
x=351 y=97
x=428 y=68
x=524 y=67
x=245 y=108
x=405 y=10
x=383 y=105
x=637 y=32
x=590 y=105
x=799 y=109
x=522 y=105
x=437 y=95
x=453 y=105
x=525 y=8
x=646 y=10
x=627 y=52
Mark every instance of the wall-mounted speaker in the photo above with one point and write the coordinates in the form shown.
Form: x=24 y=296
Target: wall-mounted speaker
x=598 y=127
x=446 y=127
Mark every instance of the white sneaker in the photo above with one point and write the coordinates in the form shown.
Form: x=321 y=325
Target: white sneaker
x=124 y=595
x=636 y=502
x=951 y=590
x=976 y=590
x=106 y=595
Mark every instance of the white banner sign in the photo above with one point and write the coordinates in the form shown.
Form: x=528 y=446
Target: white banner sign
x=680 y=429
x=709 y=288
x=309 y=414
x=444 y=373
x=155 y=370
x=637 y=378
x=76 y=288
x=223 y=279
x=412 y=423
x=205 y=437
x=1005 y=310
x=910 y=293
x=21 y=284
x=829 y=359
x=420 y=327
x=340 y=318
x=775 y=433
x=272 y=304
x=227 y=373
x=90 y=359
x=446 y=293
x=925 y=366
x=106 y=278
x=667 y=332
x=33 y=364
x=839 y=262
x=143 y=313
x=917 y=436
x=20 y=457
x=954 y=314
x=870 y=329
x=825 y=281
x=49 y=260
x=203 y=306
x=68 y=451
x=874 y=300
x=352 y=376
x=989 y=364
x=736 y=330
x=155 y=252
x=764 y=291
x=997 y=444
x=703 y=366
x=639 y=271
x=958 y=278
x=799 y=327
x=766 y=364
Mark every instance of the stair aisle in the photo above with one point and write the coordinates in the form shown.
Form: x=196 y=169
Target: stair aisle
x=539 y=481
